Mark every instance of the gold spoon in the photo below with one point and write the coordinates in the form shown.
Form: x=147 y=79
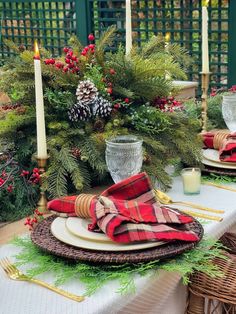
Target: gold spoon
x=165 y=199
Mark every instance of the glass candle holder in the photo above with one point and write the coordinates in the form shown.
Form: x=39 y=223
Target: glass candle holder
x=191 y=180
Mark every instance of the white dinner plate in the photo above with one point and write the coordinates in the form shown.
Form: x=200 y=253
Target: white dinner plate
x=79 y=227
x=213 y=155
x=217 y=164
x=59 y=230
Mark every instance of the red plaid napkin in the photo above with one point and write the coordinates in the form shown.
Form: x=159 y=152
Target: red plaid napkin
x=226 y=145
x=129 y=212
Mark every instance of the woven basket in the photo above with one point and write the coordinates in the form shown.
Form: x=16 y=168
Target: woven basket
x=220 y=291
x=229 y=241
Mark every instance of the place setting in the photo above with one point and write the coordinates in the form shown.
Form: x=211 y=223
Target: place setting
x=117 y=175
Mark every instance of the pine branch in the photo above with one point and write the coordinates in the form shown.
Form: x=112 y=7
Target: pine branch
x=93 y=156
x=106 y=39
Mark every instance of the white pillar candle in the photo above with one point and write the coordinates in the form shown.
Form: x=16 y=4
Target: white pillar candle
x=40 y=119
x=128 y=27
x=205 y=52
x=191 y=180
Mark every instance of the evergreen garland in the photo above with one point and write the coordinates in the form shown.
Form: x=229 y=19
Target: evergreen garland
x=94 y=276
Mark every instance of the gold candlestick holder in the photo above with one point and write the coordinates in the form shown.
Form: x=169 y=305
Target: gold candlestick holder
x=42 y=203
x=205 y=87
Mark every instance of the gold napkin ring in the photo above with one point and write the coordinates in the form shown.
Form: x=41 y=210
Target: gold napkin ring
x=219 y=138
x=82 y=205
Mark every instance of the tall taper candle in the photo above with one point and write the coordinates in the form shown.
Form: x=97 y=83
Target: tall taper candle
x=128 y=27
x=40 y=119
x=205 y=52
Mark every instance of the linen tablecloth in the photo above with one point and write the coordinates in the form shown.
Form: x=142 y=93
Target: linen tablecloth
x=160 y=294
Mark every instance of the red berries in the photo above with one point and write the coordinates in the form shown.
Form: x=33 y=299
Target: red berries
x=109 y=90
x=126 y=100
x=49 y=61
x=169 y=104
x=70 y=63
x=31 y=221
x=117 y=106
x=112 y=71
x=91 y=37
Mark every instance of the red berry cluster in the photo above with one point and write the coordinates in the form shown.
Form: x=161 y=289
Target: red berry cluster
x=4 y=179
x=71 y=62
x=124 y=103
x=232 y=89
x=34 y=178
x=31 y=221
x=169 y=104
x=9 y=107
x=90 y=49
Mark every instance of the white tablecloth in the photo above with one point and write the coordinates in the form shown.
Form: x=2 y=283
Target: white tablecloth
x=159 y=294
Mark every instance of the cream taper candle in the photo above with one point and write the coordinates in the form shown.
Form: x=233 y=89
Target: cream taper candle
x=40 y=119
x=128 y=27
x=205 y=52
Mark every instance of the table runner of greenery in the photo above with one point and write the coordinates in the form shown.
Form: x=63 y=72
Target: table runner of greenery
x=94 y=276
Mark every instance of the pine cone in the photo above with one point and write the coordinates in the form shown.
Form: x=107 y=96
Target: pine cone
x=79 y=111
x=102 y=107
x=76 y=152
x=86 y=92
x=98 y=125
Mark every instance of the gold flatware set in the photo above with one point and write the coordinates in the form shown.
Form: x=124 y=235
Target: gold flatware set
x=167 y=200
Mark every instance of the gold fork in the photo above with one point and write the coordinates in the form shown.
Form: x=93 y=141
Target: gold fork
x=166 y=200
x=15 y=274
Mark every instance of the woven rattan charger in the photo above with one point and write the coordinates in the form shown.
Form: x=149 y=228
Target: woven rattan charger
x=43 y=238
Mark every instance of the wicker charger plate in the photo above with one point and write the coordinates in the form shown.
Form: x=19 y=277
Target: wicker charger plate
x=43 y=238
x=220 y=171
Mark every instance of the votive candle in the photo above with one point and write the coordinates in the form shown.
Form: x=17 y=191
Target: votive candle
x=191 y=180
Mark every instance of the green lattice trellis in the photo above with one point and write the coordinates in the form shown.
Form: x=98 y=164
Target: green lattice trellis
x=53 y=22
x=182 y=19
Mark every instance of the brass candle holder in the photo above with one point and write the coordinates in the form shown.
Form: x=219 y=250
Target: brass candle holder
x=42 y=203
x=205 y=87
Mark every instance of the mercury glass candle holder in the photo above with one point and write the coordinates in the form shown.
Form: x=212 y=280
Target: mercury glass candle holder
x=124 y=156
x=191 y=180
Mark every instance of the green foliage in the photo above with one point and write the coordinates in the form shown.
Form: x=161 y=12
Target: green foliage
x=105 y=40
x=21 y=199
x=214 y=111
x=149 y=120
x=77 y=149
x=64 y=164
x=94 y=276
x=221 y=179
